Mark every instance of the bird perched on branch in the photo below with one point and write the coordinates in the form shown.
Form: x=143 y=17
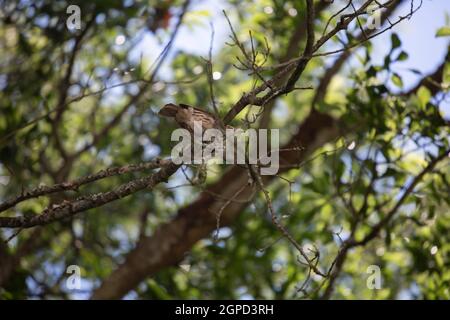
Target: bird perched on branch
x=185 y=115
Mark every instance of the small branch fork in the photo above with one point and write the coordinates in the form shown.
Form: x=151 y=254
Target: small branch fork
x=250 y=61
x=351 y=242
x=296 y=66
x=311 y=263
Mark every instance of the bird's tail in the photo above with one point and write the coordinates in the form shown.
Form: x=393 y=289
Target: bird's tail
x=169 y=110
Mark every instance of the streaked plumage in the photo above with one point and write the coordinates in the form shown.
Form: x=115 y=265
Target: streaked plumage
x=185 y=115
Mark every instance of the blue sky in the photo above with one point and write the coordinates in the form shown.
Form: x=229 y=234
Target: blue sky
x=425 y=51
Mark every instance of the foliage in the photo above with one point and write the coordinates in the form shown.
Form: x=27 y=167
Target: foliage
x=54 y=109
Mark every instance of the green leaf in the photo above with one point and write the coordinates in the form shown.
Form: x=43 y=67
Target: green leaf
x=443 y=32
x=402 y=56
x=424 y=96
x=397 y=80
x=395 y=40
x=446 y=75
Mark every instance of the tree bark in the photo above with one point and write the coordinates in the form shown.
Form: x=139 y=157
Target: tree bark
x=169 y=243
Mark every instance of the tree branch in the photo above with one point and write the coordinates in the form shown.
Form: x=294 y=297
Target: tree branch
x=75 y=184
x=171 y=240
x=70 y=208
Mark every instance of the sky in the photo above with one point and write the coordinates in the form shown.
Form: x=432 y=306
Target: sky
x=417 y=35
x=425 y=51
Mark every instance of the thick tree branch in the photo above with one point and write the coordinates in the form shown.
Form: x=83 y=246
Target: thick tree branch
x=70 y=208
x=75 y=184
x=170 y=241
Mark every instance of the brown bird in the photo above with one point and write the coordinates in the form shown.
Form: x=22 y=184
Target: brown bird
x=185 y=115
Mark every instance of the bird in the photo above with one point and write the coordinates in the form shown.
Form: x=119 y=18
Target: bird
x=185 y=115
